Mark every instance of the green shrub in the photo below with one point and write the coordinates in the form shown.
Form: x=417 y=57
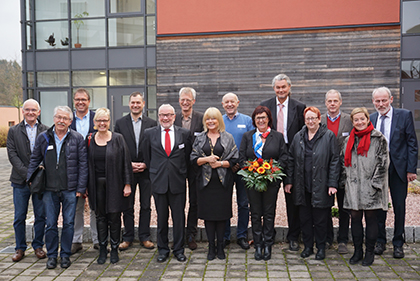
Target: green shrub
x=3 y=136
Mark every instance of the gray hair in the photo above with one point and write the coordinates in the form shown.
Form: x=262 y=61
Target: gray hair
x=332 y=91
x=31 y=100
x=280 y=77
x=230 y=94
x=381 y=89
x=64 y=108
x=187 y=90
x=166 y=105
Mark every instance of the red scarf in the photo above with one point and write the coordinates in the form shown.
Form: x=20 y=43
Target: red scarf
x=364 y=143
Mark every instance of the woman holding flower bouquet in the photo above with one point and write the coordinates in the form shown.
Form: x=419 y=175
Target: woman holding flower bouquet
x=214 y=152
x=313 y=171
x=262 y=177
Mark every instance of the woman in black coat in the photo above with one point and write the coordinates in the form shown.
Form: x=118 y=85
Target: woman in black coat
x=313 y=171
x=265 y=143
x=110 y=176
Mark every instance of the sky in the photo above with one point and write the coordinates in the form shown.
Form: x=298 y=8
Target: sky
x=10 y=41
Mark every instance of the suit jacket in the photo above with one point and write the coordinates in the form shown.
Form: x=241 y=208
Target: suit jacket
x=403 y=150
x=167 y=172
x=124 y=126
x=19 y=151
x=196 y=122
x=91 y=129
x=344 y=127
x=295 y=119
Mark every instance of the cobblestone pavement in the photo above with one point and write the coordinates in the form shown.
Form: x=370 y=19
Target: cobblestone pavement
x=138 y=263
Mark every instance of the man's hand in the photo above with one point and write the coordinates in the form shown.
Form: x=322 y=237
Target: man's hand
x=127 y=190
x=236 y=167
x=411 y=177
x=288 y=188
x=332 y=191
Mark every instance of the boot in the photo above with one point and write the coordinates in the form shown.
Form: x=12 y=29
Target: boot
x=258 y=253
x=212 y=251
x=358 y=249
x=102 y=254
x=267 y=252
x=114 y=255
x=220 y=251
x=369 y=258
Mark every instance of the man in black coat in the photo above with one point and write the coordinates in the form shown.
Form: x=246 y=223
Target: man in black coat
x=290 y=113
x=132 y=128
x=191 y=120
x=166 y=150
x=20 y=143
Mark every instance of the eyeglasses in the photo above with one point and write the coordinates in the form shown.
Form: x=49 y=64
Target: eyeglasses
x=80 y=100
x=161 y=115
x=261 y=118
x=186 y=100
x=311 y=119
x=102 y=121
x=65 y=119
x=30 y=110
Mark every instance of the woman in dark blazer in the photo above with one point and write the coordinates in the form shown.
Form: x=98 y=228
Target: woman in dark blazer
x=265 y=143
x=110 y=177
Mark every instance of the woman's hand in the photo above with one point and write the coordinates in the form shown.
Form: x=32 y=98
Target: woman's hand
x=288 y=188
x=332 y=191
x=216 y=164
x=127 y=190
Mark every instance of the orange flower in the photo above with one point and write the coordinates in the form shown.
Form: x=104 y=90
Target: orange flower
x=266 y=166
x=250 y=168
x=275 y=169
x=255 y=164
x=261 y=170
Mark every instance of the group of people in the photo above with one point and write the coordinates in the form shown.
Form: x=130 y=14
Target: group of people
x=355 y=157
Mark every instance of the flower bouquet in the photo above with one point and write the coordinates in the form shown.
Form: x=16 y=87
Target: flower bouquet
x=258 y=173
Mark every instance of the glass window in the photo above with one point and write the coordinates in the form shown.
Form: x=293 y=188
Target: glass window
x=47 y=9
x=417 y=116
x=89 y=78
x=30 y=79
x=29 y=36
x=48 y=101
x=150 y=6
x=411 y=17
x=29 y=9
x=126 y=77
x=151 y=76
x=52 y=35
x=31 y=94
x=92 y=8
x=126 y=31
x=417 y=96
x=410 y=69
x=125 y=6
x=98 y=97
x=88 y=33
x=151 y=102
x=53 y=79
x=151 y=30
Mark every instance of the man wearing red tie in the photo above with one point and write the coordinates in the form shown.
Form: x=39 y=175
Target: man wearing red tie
x=166 y=150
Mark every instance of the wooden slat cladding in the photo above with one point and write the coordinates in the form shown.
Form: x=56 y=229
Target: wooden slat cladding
x=353 y=62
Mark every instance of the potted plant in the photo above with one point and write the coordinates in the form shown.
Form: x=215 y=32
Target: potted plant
x=78 y=23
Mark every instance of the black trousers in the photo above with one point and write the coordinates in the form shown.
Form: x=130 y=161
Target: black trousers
x=313 y=222
x=145 y=190
x=398 y=189
x=177 y=204
x=263 y=214
x=106 y=222
x=292 y=218
x=371 y=228
x=343 y=221
x=192 y=217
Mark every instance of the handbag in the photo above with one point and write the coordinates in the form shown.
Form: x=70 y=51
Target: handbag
x=37 y=181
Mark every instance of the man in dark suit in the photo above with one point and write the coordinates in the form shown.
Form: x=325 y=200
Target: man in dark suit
x=288 y=119
x=20 y=143
x=341 y=125
x=83 y=124
x=132 y=128
x=191 y=120
x=397 y=125
x=166 y=150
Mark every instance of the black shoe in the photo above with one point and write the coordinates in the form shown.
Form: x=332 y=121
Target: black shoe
x=211 y=255
x=103 y=252
x=369 y=258
x=162 y=257
x=267 y=253
x=114 y=256
x=258 y=253
x=380 y=248
x=293 y=246
x=243 y=243
x=306 y=252
x=220 y=252
x=65 y=262
x=398 y=252
x=181 y=257
x=51 y=263
x=357 y=256
x=320 y=255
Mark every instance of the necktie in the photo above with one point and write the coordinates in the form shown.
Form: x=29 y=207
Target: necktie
x=382 y=129
x=280 y=120
x=167 y=142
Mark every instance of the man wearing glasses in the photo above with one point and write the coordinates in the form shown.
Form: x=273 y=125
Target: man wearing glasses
x=63 y=153
x=83 y=123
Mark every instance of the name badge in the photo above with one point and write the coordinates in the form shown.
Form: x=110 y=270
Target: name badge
x=196 y=133
x=345 y=134
x=50 y=147
x=181 y=146
x=241 y=126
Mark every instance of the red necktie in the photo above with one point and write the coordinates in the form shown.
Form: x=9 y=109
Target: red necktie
x=167 y=142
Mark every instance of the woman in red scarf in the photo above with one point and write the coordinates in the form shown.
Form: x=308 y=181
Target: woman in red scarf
x=365 y=171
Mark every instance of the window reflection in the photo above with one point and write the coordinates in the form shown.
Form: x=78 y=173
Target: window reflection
x=51 y=35
x=410 y=69
x=47 y=9
x=29 y=31
x=30 y=79
x=53 y=79
x=48 y=101
x=125 y=6
x=89 y=78
x=151 y=76
x=411 y=18
x=97 y=97
x=88 y=33
x=126 y=77
x=150 y=6
x=126 y=31
x=94 y=8
x=151 y=30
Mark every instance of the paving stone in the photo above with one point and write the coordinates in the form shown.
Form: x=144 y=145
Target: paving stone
x=214 y=273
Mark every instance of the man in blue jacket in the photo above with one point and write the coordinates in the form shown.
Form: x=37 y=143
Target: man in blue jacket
x=63 y=153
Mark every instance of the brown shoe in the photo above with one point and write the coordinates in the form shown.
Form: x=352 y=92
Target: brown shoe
x=147 y=244
x=19 y=254
x=191 y=243
x=125 y=245
x=40 y=254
